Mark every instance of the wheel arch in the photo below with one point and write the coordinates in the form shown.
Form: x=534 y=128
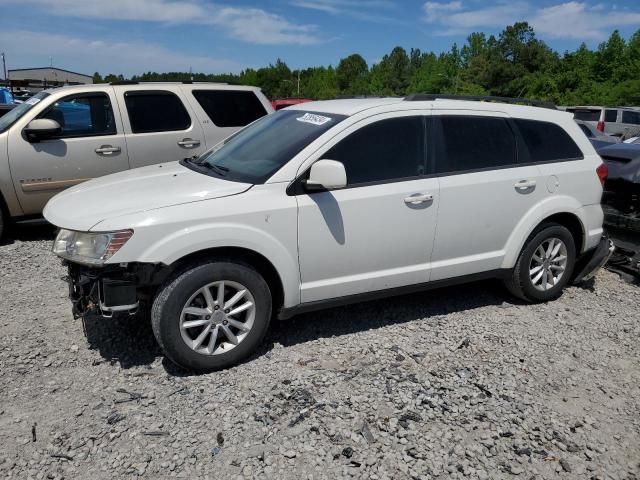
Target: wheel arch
x=571 y=218
x=242 y=255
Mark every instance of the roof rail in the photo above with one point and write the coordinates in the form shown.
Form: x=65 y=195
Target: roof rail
x=124 y=82
x=421 y=97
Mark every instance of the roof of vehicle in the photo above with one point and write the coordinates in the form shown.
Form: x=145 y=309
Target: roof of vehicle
x=353 y=106
x=218 y=86
x=599 y=107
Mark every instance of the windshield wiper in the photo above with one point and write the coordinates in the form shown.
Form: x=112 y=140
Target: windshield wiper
x=222 y=171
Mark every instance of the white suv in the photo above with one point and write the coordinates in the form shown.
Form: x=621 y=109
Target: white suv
x=334 y=202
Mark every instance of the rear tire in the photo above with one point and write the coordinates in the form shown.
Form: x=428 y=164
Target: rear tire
x=545 y=264
x=212 y=316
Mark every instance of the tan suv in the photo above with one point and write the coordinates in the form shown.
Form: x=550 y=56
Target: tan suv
x=64 y=136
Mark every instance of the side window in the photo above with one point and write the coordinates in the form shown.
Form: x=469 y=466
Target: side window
x=156 y=111
x=610 y=115
x=230 y=108
x=546 y=142
x=390 y=149
x=631 y=117
x=586 y=130
x=473 y=143
x=83 y=115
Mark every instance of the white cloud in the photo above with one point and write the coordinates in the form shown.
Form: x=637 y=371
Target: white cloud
x=77 y=53
x=435 y=11
x=578 y=20
x=253 y=25
x=368 y=10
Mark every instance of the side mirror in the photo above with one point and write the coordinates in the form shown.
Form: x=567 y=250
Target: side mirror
x=42 y=129
x=326 y=175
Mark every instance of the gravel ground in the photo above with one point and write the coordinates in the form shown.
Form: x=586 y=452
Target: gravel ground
x=454 y=383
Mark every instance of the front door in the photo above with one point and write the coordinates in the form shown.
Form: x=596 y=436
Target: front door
x=91 y=145
x=378 y=232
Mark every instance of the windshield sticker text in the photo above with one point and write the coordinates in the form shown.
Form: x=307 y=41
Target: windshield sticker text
x=32 y=101
x=313 y=119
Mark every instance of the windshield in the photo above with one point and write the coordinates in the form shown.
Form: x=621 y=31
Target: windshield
x=12 y=116
x=255 y=153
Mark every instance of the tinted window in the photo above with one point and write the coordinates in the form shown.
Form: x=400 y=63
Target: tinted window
x=588 y=115
x=386 y=150
x=631 y=117
x=228 y=108
x=586 y=130
x=546 y=141
x=471 y=143
x=255 y=153
x=83 y=115
x=610 y=115
x=156 y=111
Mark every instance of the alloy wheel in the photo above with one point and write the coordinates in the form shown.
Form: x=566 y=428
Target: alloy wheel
x=217 y=317
x=548 y=264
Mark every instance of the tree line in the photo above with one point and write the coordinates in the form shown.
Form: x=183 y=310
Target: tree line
x=513 y=64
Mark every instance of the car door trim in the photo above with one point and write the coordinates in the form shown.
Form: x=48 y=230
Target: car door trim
x=51 y=185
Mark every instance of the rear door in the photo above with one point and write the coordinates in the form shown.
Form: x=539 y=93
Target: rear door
x=160 y=126
x=92 y=144
x=223 y=111
x=484 y=191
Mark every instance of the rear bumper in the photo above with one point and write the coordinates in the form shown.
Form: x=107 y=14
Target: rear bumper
x=594 y=259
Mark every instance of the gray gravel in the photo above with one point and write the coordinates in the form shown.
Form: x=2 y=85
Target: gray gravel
x=455 y=383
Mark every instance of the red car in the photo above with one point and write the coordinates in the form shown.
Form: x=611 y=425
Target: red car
x=287 y=102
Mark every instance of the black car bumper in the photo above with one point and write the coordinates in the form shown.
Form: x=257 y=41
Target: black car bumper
x=593 y=260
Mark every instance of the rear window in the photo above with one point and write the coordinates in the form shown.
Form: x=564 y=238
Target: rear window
x=473 y=143
x=546 y=142
x=586 y=114
x=156 y=111
x=229 y=108
x=631 y=117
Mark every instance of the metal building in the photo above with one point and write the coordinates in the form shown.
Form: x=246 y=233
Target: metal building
x=36 y=79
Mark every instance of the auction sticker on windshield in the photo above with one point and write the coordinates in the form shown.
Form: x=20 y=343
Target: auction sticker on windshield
x=313 y=119
x=32 y=101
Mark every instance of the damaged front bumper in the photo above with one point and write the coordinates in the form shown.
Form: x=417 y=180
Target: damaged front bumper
x=594 y=260
x=106 y=290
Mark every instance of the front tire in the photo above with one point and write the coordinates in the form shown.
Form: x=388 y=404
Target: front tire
x=545 y=264
x=212 y=316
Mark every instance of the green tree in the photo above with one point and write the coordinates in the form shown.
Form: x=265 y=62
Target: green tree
x=352 y=73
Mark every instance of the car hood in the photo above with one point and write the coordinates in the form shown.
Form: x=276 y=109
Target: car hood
x=133 y=191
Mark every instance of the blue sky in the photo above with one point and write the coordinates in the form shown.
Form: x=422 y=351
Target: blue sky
x=133 y=36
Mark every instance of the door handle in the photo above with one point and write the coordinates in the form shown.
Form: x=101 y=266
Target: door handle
x=189 y=143
x=418 y=198
x=525 y=184
x=107 y=150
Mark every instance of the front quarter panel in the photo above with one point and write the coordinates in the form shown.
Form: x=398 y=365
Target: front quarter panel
x=263 y=219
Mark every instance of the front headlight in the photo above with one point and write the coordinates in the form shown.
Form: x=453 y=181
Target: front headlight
x=89 y=248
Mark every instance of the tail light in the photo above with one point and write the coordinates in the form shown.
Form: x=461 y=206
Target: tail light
x=600 y=126
x=603 y=172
